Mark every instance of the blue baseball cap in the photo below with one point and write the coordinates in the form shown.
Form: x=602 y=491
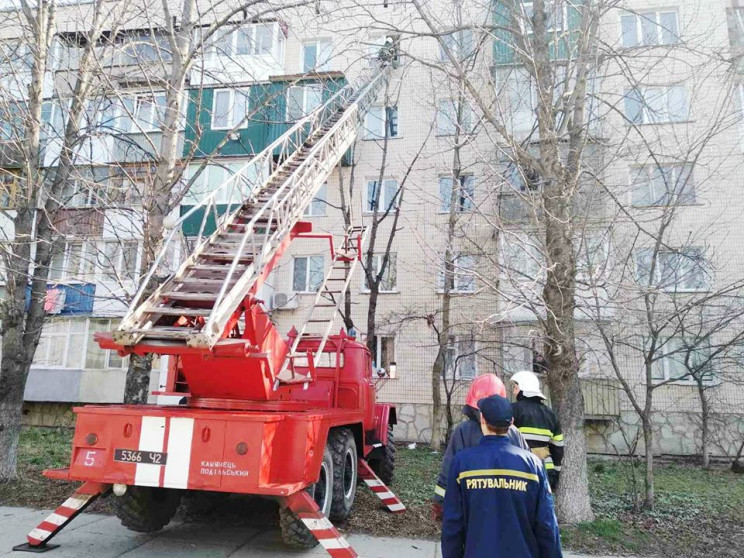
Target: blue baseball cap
x=496 y=410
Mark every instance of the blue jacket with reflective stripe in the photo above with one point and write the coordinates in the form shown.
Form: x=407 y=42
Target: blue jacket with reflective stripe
x=498 y=504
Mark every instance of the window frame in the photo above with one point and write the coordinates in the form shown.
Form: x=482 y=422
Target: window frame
x=385 y=204
x=638 y=18
x=646 y=116
x=392 y=265
x=527 y=29
x=233 y=92
x=666 y=362
x=87 y=339
x=377 y=356
x=306 y=287
x=460 y=273
x=668 y=197
x=454 y=344
x=467 y=126
x=86 y=266
x=390 y=114
x=305 y=111
x=117 y=273
x=463 y=200
x=318 y=201
x=132 y=115
x=660 y=274
x=222 y=48
x=317 y=42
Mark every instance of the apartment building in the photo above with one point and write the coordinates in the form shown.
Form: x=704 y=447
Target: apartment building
x=648 y=108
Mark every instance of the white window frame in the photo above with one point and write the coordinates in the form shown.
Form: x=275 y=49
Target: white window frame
x=442 y=115
x=528 y=10
x=453 y=359
x=392 y=265
x=115 y=272
x=671 y=349
x=382 y=123
x=319 y=203
x=108 y=352
x=132 y=117
x=305 y=109
x=671 y=175
x=233 y=119
x=466 y=189
x=458 y=42
x=666 y=115
x=84 y=337
x=86 y=267
x=662 y=265
x=306 y=284
x=463 y=275
x=227 y=44
x=377 y=357
x=638 y=19
x=324 y=46
x=384 y=204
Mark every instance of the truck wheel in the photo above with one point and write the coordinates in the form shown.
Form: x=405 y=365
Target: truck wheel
x=146 y=509
x=384 y=466
x=294 y=532
x=344 y=451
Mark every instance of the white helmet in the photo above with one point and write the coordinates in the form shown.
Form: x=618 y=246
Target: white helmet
x=528 y=383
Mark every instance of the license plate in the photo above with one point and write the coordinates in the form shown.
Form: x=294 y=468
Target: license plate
x=135 y=456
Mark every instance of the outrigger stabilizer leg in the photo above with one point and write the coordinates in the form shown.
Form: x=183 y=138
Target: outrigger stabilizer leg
x=380 y=489
x=305 y=508
x=39 y=537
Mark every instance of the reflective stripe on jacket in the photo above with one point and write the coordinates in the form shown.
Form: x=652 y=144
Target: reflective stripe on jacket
x=498 y=505
x=466 y=435
x=539 y=424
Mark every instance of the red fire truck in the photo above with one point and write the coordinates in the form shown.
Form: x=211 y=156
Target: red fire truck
x=291 y=418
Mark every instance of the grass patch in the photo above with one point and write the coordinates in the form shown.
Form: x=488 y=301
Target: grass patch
x=416 y=471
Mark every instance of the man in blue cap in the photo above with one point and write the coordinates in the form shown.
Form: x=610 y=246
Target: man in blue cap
x=498 y=501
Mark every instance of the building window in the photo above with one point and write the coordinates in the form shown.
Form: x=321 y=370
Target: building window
x=556 y=10
x=118 y=260
x=383 y=352
x=62 y=344
x=302 y=99
x=463 y=194
x=248 y=40
x=460 y=359
x=447 y=121
x=656 y=105
x=308 y=273
x=663 y=185
x=650 y=28
x=521 y=259
x=682 y=360
x=8 y=188
x=230 y=108
x=380 y=121
x=682 y=270
x=463 y=278
x=73 y=262
x=316 y=55
x=523 y=180
x=70 y=344
x=317 y=207
x=145 y=48
x=142 y=113
x=381 y=196
x=388 y=284
x=459 y=43
x=84 y=188
x=97 y=358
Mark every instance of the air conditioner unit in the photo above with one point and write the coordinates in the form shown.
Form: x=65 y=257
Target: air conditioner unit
x=284 y=301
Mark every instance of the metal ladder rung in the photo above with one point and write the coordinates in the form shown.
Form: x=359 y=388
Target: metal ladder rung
x=197 y=297
x=208 y=267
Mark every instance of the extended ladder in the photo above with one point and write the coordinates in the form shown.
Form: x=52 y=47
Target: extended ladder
x=196 y=304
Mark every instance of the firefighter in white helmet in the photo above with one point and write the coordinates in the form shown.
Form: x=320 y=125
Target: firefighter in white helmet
x=538 y=423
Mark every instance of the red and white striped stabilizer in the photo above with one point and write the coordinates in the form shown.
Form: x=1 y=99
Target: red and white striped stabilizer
x=380 y=489
x=305 y=508
x=69 y=510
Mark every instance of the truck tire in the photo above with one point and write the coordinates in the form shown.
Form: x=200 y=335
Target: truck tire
x=294 y=532
x=345 y=469
x=145 y=510
x=384 y=466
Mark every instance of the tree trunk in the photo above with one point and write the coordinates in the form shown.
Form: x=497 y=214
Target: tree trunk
x=705 y=427
x=137 y=386
x=436 y=394
x=648 y=440
x=12 y=382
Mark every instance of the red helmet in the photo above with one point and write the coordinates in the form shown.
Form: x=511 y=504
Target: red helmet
x=484 y=386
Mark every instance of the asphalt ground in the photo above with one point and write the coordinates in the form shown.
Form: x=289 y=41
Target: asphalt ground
x=102 y=536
